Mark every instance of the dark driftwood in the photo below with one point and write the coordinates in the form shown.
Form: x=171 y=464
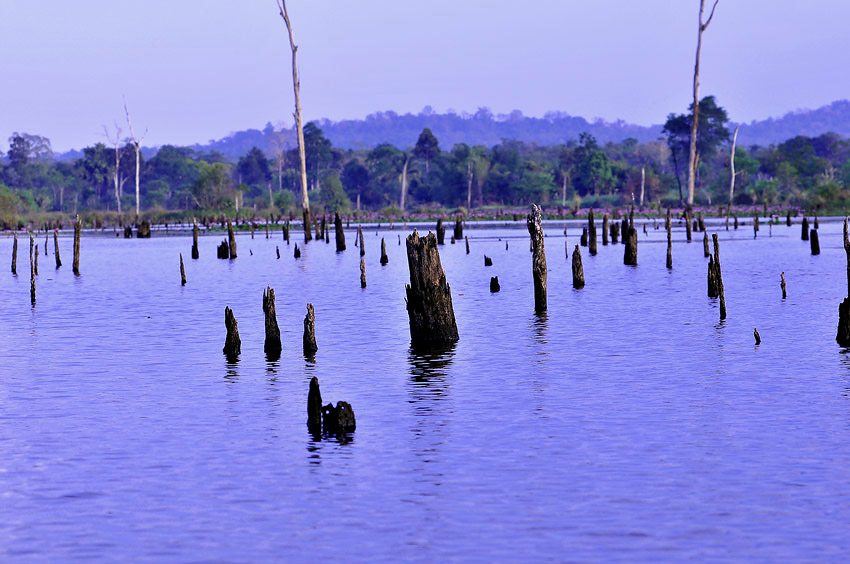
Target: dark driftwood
x=488 y=261
x=494 y=285
x=604 y=229
x=805 y=230
x=591 y=233
x=339 y=419
x=195 y=253
x=182 y=271
x=815 y=243
x=719 y=277
x=231 y=240
x=441 y=232
x=56 y=247
x=384 y=258
x=339 y=234
x=429 y=298
x=782 y=285
x=297 y=253
x=222 y=251
x=843 y=336
x=309 y=339
x=362 y=272
x=232 y=342
x=78 y=227
x=272 y=346
x=705 y=250
x=314 y=407
x=15 y=254
x=578 y=270
x=458 y=228
x=534 y=222
x=306 y=220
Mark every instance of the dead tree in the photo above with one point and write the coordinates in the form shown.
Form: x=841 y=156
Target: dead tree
x=429 y=298
x=309 y=339
x=339 y=233
x=732 y=177
x=232 y=342
x=692 y=152
x=272 y=346
x=534 y=222
x=578 y=270
x=56 y=248
x=78 y=227
x=137 y=145
x=195 y=253
x=116 y=174
x=296 y=86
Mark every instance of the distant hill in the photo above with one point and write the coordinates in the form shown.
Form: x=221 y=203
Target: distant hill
x=484 y=128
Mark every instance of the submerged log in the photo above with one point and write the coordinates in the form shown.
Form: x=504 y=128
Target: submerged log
x=182 y=271
x=534 y=222
x=362 y=273
x=15 y=254
x=805 y=229
x=429 y=298
x=604 y=229
x=578 y=270
x=494 y=285
x=195 y=253
x=815 y=243
x=56 y=247
x=441 y=232
x=222 y=251
x=339 y=234
x=78 y=227
x=309 y=339
x=231 y=240
x=591 y=233
x=232 y=342
x=458 y=228
x=272 y=345
x=384 y=258
x=314 y=408
x=339 y=419
x=782 y=285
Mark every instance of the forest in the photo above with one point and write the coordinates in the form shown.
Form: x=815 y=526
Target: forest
x=802 y=172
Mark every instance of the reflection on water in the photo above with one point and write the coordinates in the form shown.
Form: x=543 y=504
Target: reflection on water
x=539 y=327
x=231 y=374
x=428 y=372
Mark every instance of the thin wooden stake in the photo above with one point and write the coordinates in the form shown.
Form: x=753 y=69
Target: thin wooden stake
x=182 y=271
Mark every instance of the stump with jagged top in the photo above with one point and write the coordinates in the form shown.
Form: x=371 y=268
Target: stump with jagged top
x=231 y=241
x=384 y=258
x=441 y=232
x=195 y=253
x=591 y=233
x=339 y=234
x=272 y=346
x=314 y=407
x=843 y=336
x=232 y=342
x=429 y=298
x=78 y=227
x=458 y=228
x=630 y=237
x=578 y=270
x=309 y=339
x=534 y=222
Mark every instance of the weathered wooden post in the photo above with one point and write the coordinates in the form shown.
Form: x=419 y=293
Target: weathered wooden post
x=631 y=239
x=429 y=298
x=843 y=336
x=467 y=244
x=195 y=253
x=816 y=222
x=534 y=222
x=362 y=272
x=324 y=226
x=735 y=218
x=441 y=232
x=815 y=244
x=615 y=232
x=272 y=346
x=624 y=230
x=277 y=250
x=782 y=285
x=700 y=221
x=56 y=247
x=286 y=231
x=755 y=226
x=314 y=408
x=15 y=254
x=360 y=238
x=591 y=233
x=458 y=228
x=32 y=270
x=669 y=225
x=713 y=289
x=494 y=285
x=805 y=231
x=309 y=339
x=78 y=227
x=231 y=241
x=222 y=251
x=705 y=250
x=719 y=276
x=788 y=218
x=251 y=227
x=268 y=225
x=338 y=420
x=182 y=271
x=232 y=342
x=688 y=226
x=604 y=229
x=578 y=270
x=384 y=258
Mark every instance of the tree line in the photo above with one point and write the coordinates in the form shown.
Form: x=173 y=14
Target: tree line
x=803 y=172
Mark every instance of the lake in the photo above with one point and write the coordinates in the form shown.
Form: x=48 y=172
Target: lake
x=628 y=424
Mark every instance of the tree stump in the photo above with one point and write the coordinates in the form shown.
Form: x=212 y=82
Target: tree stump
x=222 y=251
x=805 y=231
x=305 y=215
x=713 y=289
x=624 y=230
x=277 y=250
x=583 y=238
x=232 y=342
x=669 y=226
x=788 y=218
x=756 y=336
x=488 y=261
x=534 y=222
x=815 y=243
x=251 y=227
x=128 y=232
x=782 y=284
x=182 y=271
x=467 y=245
x=362 y=272
x=494 y=285
x=384 y=258
x=615 y=232
x=324 y=226
x=338 y=420
x=755 y=227
x=314 y=408
x=339 y=234
x=309 y=339
x=578 y=270
x=816 y=222
x=688 y=226
x=701 y=222
x=144 y=230
x=78 y=227
x=631 y=240
x=297 y=253
x=706 y=251
x=604 y=229
x=272 y=346
x=458 y=228
x=231 y=241
x=591 y=233
x=15 y=254
x=735 y=218
x=429 y=298
x=360 y=240
x=32 y=271
x=195 y=253
x=56 y=248
x=286 y=231
x=719 y=276
x=441 y=232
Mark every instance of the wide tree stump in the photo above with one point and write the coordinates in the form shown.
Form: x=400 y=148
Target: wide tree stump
x=339 y=419
x=591 y=233
x=232 y=342
x=429 y=298
x=494 y=285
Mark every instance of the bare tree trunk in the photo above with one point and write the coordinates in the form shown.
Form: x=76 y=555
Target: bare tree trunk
x=468 y=186
x=692 y=153
x=732 y=171
x=534 y=223
x=564 y=191
x=296 y=85
x=137 y=144
x=642 y=183
x=403 y=184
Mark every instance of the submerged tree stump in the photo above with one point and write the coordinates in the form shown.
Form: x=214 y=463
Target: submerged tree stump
x=788 y=218
x=297 y=253
x=314 y=408
x=488 y=261
x=305 y=215
x=231 y=241
x=688 y=226
x=782 y=285
x=701 y=222
x=32 y=270
x=232 y=342
x=705 y=250
x=128 y=232
x=805 y=229
x=309 y=339
x=735 y=218
x=222 y=251
x=360 y=240
x=583 y=239
x=604 y=229
x=339 y=234
x=286 y=231
x=624 y=230
x=458 y=228
x=362 y=272
x=591 y=233
x=384 y=258
x=843 y=336
x=338 y=420
x=78 y=227
x=756 y=335
x=817 y=226
x=578 y=270
x=669 y=226
x=815 y=243
x=15 y=254
x=144 y=230
x=272 y=346
x=182 y=271
x=631 y=240
x=195 y=253
x=534 y=222
x=713 y=289
x=277 y=250
x=56 y=248
x=441 y=232
x=467 y=245
x=719 y=276
x=429 y=298
x=615 y=232
x=494 y=285
x=755 y=227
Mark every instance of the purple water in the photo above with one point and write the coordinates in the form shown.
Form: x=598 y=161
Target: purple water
x=626 y=425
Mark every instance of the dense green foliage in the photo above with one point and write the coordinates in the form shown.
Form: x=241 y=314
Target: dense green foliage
x=808 y=172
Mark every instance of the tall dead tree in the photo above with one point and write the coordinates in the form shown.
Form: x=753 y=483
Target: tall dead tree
x=299 y=129
x=406 y=162
x=137 y=145
x=534 y=222
x=692 y=152
x=116 y=174
x=732 y=179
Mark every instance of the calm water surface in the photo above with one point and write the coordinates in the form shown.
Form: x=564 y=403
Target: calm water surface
x=626 y=425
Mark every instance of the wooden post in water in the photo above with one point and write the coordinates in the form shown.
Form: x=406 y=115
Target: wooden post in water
x=782 y=285
x=362 y=272
x=578 y=270
x=182 y=271
x=309 y=339
x=624 y=230
x=15 y=254
x=286 y=231
x=719 y=276
x=688 y=226
x=277 y=250
x=669 y=225
x=804 y=235
x=297 y=253
x=705 y=250
x=701 y=221
x=467 y=244
x=35 y=255
x=232 y=342
x=615 y=232
x=78 y=227
x=268 y=225
x=339 y=234
x=816 y=221
x=631 y=239
x=195 y=253
x=32 y=271
x=314 y=407
x=324 y=226
x=272 y=346
x=222 y=251
x=458 y=228
x=735 y=218
x=360 y=239
x=756 y=335
x=231 y=241
x=251 y=227
x=843 y=336
x=534 y=222
x=604 y=229
x=583 y=239
x=788 y=218
x=384 y=258
x=713 y=289
x=488 y=261
x=591 y=233
x=56 y=247
x=429 y=298
x=755 y=226
x=815 y=244
x=441 y=232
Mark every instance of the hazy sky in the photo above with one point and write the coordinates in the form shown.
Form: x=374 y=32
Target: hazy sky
x=194 y=70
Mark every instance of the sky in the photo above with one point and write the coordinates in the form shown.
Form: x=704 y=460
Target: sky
x=196 y=70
